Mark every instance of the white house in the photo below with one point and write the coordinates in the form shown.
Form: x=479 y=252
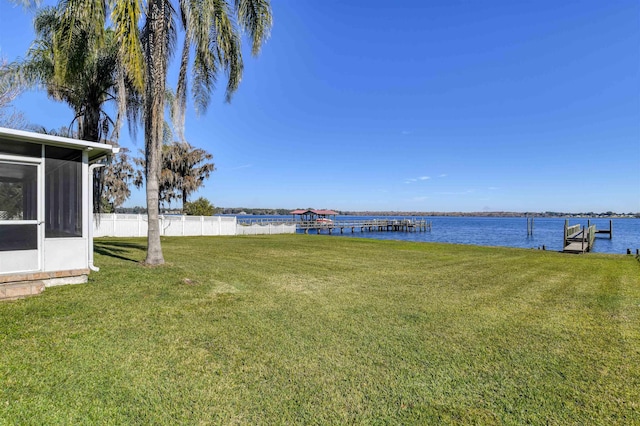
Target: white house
x=46 y=208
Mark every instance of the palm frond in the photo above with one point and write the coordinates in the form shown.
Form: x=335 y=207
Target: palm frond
x=255 y=18
x=125 y=16
x=219 y=50
x=26 y=3
x=81 y=24
x=180 y=102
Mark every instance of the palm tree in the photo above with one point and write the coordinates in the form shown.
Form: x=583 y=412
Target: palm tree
x=184 y=170
x=188 y=167
x=212 y=31
x=92 y=77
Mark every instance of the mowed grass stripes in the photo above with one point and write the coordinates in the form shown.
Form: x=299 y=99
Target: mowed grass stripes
x=298 y=329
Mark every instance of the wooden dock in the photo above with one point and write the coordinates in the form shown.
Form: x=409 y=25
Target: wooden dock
x=580 y=239
x=367 y=225
x=360 y=225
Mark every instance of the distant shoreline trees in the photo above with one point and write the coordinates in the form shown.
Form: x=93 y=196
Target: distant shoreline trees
x=200 y=207
x=285 y=212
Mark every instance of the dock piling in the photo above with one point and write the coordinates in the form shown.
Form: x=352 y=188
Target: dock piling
x=529 y=227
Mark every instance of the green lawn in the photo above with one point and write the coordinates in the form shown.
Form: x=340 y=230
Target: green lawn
x=324 y=330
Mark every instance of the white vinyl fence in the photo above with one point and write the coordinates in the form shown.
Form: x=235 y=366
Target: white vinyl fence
x=266 y=228
x=135 y=225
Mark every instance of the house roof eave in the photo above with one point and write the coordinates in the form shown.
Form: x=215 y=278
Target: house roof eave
x=96 y=150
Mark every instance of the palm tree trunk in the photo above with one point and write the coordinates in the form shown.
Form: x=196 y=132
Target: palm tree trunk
x=90 y=124
x=89 y=130
x=154 y=119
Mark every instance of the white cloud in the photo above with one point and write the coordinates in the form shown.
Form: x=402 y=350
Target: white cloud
x=412 y=180
x=442 y=175
x=244 y=166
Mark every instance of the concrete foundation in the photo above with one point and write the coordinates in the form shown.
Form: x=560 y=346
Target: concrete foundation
x=16 y=286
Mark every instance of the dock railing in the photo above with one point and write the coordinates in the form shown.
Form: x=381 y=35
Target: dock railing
x=570 y=231
x=578 y=238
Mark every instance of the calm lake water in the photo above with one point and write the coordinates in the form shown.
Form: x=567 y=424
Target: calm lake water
x=507 y=232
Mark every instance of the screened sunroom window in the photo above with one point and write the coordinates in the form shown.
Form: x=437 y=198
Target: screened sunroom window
x=24 y=149
x=18 y=206
x=63 y=192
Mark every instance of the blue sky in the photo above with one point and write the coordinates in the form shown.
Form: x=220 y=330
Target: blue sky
x=420 y=106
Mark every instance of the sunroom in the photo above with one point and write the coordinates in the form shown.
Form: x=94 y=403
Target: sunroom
x=46 y=209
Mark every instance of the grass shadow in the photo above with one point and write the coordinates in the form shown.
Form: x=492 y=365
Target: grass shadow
x=118 y=249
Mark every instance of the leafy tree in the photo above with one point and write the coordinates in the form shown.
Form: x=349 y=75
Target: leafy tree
x=117 y=177
x=199 y=207
x=184 y=170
